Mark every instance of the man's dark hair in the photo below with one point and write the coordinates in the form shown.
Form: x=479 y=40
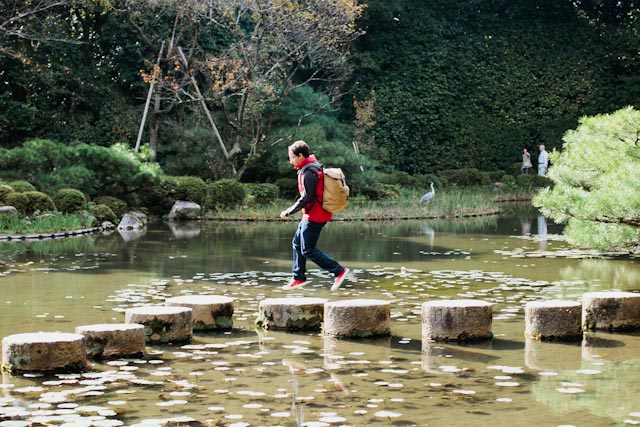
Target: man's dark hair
x=300 y=147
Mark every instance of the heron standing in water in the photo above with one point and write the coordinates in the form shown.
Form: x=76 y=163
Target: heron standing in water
x=428 y=196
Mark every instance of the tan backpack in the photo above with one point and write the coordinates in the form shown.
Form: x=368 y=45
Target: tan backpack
x=336 y=191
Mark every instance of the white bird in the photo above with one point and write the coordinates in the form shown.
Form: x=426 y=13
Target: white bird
x=428 y=196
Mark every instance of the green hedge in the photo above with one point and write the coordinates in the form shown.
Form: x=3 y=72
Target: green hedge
x=70 y=200
x=225 y=193
x=186 y=188
x=264 y=193
x=103 y=213
x=38 y=201
x=21 y=186
x=4 y=191
x=19 y=201
x=119 y=207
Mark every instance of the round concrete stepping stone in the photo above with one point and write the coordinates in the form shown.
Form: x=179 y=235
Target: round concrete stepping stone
x=163 y=325
x=553 y=320
x=357 y=318
x=611 y=311
x=210 y=312
x=113 y=339
x=459 y=320
x=291 y=313
x=44 y=352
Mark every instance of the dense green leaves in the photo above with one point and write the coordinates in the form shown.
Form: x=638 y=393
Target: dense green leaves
x=468 y=84
x=596 y=179
x=91 y=169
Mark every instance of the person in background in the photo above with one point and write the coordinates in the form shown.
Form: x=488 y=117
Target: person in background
x=526 y=162
x=543 y=161
x=314 y=218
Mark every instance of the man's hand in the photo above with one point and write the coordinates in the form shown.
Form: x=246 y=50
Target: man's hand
x=283 y=215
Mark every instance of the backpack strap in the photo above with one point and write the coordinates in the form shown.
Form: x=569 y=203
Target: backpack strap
x=315 y=168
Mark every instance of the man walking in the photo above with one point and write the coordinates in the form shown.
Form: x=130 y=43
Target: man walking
x=543 y=161
x=314 y=218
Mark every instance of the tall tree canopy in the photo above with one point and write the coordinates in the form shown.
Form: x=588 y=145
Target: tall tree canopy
x=437 y=85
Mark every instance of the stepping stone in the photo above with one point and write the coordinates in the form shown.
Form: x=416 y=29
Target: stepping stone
x=163 y=325
x=44 y=352
x=357 y=318
x=113 y=339
x=553 y=320
x=209 y=312
x=291 y=313
x=459 y=320
x=611 y=311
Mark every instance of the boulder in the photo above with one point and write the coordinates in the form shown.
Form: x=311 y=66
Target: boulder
x=183 y=210
x=8 y=212
x=131 y=222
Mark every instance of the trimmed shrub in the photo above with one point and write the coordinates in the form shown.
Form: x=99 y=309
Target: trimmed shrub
x=225 y=193
x=70 y=200
x=21 y=186
x=508 y=180
x=463 y=177
x=103 y=213
x=381 y=191
x=532 y=181
x=18 y=201
x=119 y=207
x=288 y=188
x=485 y=178
x=264 y=193
x=495 y=176
x=38 y=201
x=423 y=181
x=187 y=188
x=4 y=191
x=403 y=179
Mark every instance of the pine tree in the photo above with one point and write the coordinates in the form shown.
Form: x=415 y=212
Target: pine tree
x=596 y=178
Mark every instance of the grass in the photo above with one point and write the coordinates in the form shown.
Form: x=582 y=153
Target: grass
x=45 y=224
x=449 y=203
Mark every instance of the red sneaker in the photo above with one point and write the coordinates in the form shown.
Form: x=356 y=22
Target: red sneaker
x=339 y=279
x=295 y=284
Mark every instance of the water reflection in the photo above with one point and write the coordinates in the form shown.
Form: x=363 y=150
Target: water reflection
x=586 y=387
x=604 y=274
x=133 y=234
x=439 y=358
x=185 y=230
x=245 y=375
x=550 y=356
x=542 y=232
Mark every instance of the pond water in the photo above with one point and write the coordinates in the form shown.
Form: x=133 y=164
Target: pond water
x=250 y=377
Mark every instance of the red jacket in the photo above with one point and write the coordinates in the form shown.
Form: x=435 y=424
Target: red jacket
x=310 y=187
